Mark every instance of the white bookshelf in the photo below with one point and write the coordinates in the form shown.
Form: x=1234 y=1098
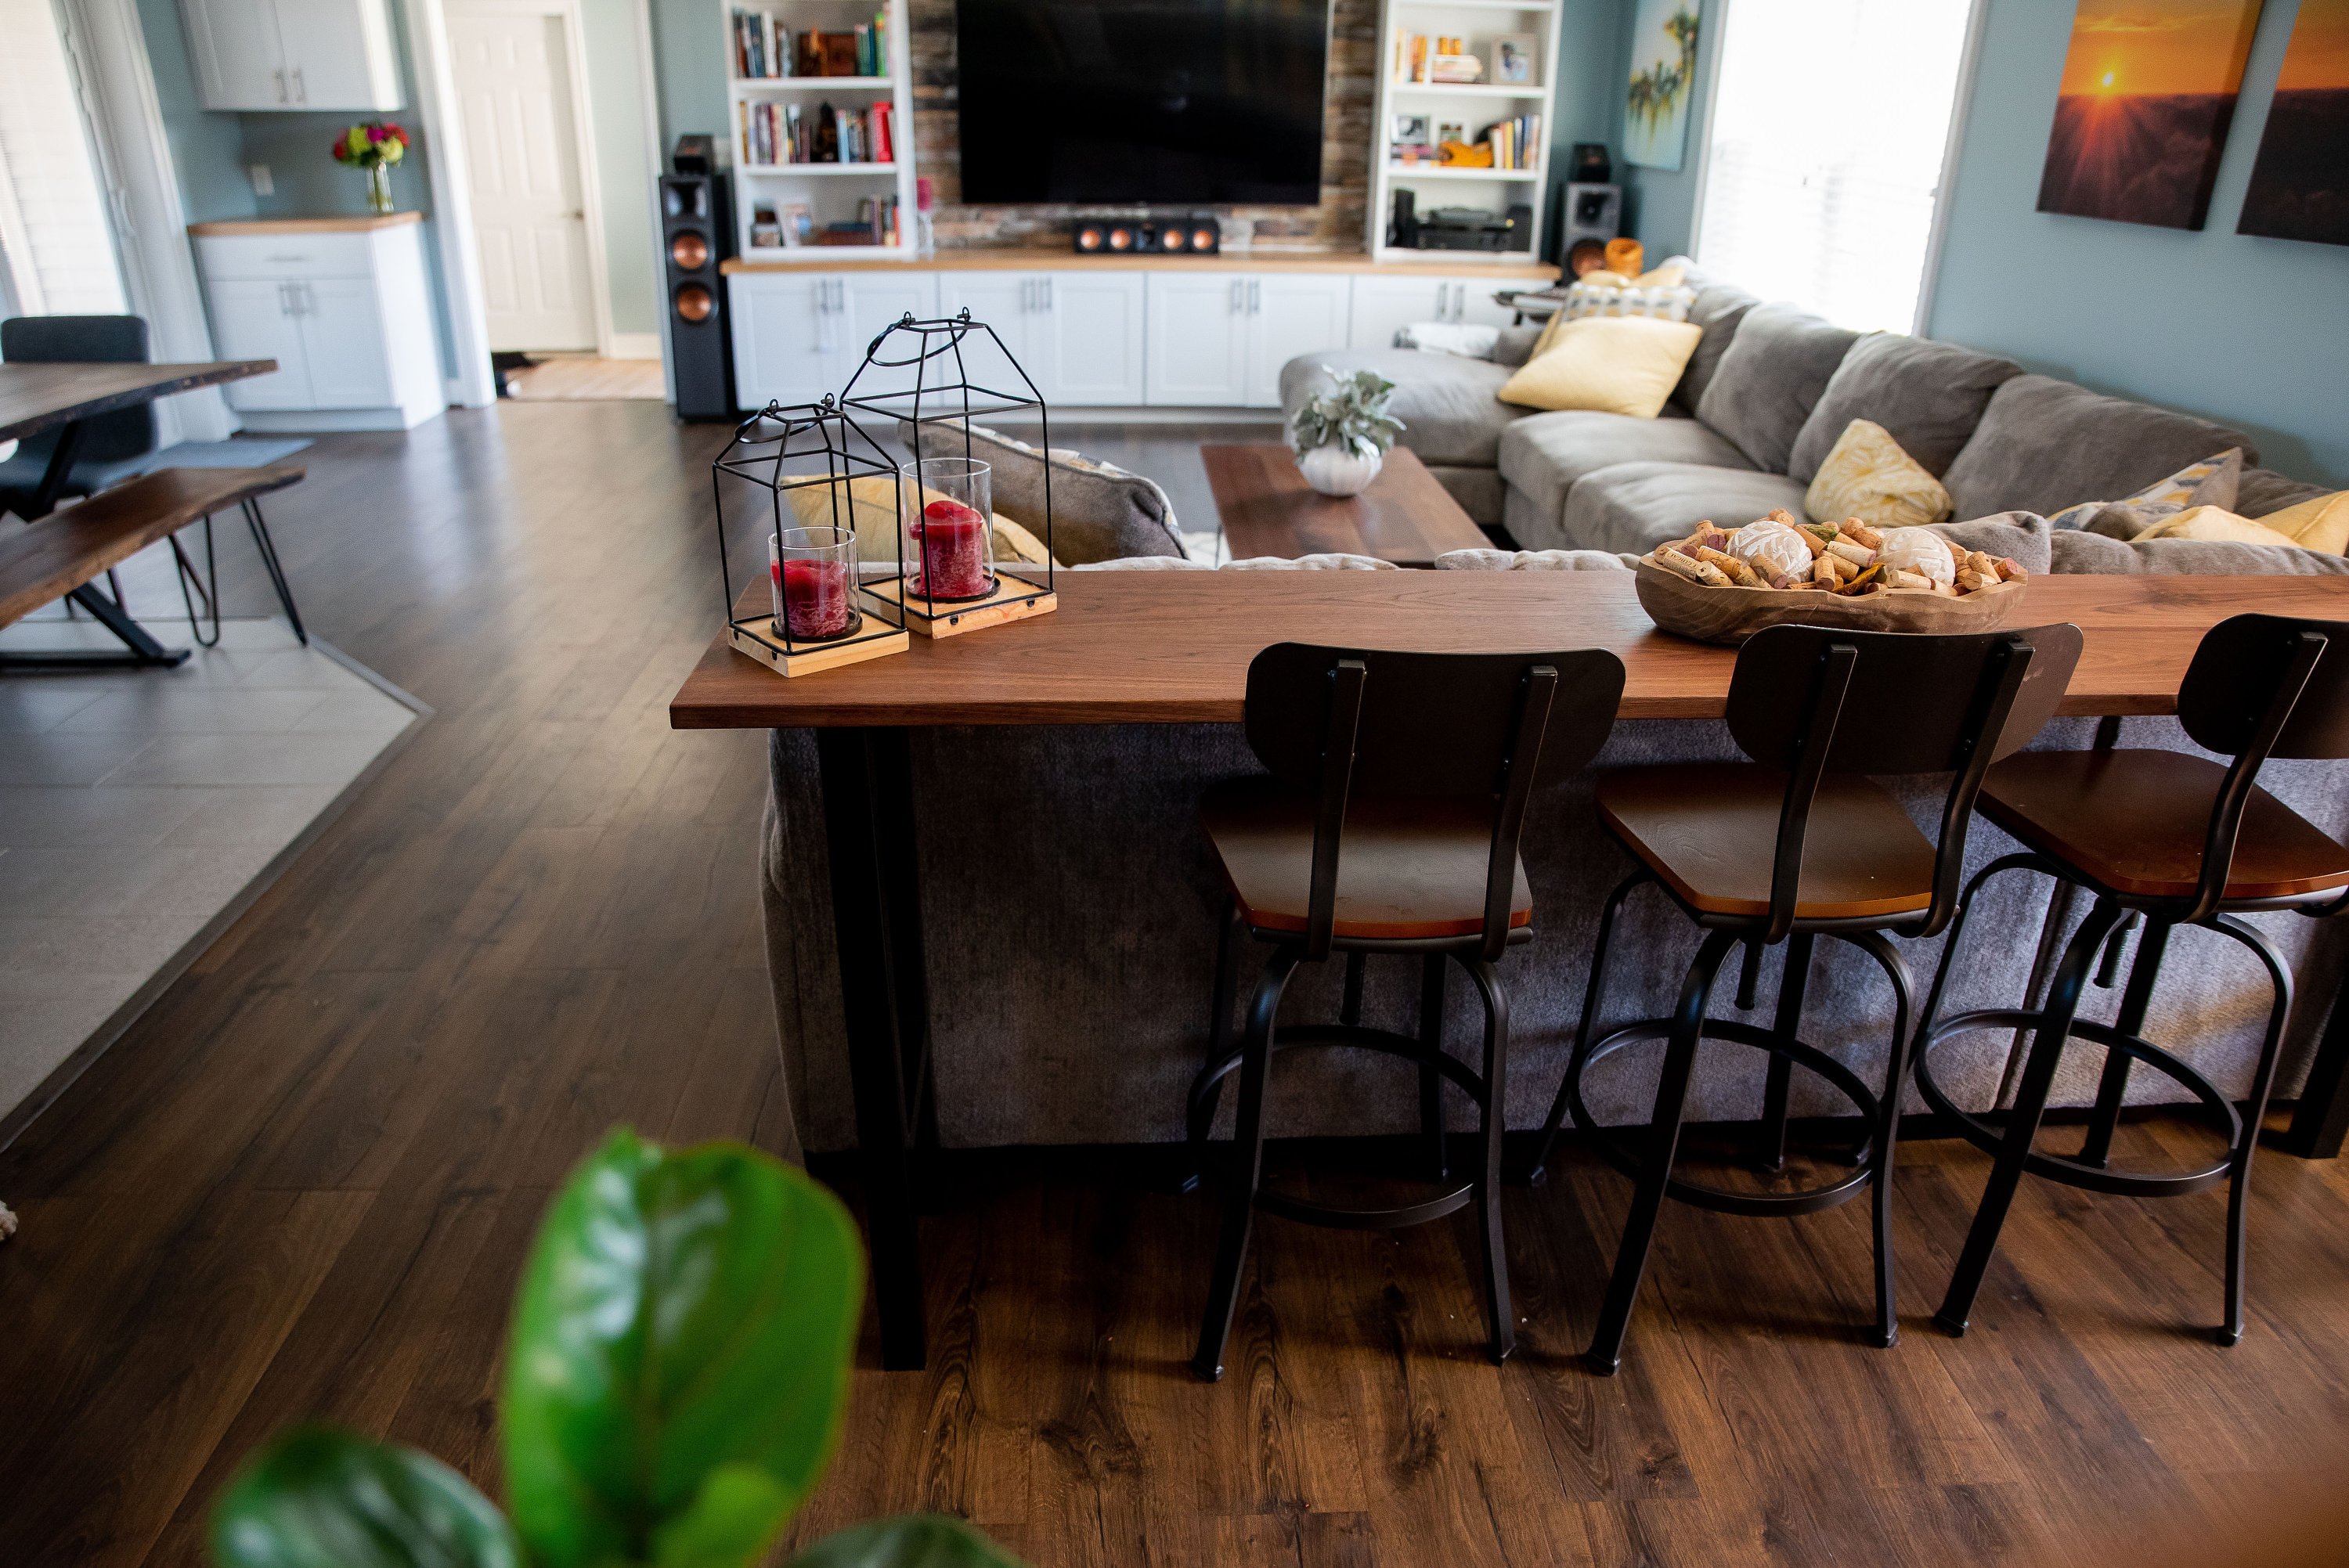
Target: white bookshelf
x=1471 y=105
x=831 y=191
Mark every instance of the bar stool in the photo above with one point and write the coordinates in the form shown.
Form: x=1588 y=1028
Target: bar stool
x=1388 y=821
x=2178 y=840
x=1733 y=844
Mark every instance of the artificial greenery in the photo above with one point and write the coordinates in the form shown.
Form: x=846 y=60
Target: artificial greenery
x=676 y=1371
x=1352 y=415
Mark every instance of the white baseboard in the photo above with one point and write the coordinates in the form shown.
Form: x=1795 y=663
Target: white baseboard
x=312 y=421
x=635 y=346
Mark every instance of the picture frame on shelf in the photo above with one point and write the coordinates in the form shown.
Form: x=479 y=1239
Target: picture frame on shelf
x=1410 y=131
x=1513 y=58
x=1451 y=131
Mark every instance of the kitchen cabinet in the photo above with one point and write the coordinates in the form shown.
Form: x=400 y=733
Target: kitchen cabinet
x=1290 y=313
x=1077 y=335
x=1383 y=305
x=800 y=336
x=292 y=55
x=1219 y=339
x=341 y=306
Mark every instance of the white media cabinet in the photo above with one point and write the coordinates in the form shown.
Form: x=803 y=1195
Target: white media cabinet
x=1123 y=333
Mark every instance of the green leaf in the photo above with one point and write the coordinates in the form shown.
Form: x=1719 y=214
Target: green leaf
x=322 y=1499
x=908 y=1540
x=679 y=1361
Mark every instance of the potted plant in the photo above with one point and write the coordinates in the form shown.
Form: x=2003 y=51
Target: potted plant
x=1340 y=436
x=374 y=147
x=676 y=1372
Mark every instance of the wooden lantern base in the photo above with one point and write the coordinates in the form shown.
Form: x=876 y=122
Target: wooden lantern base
x=1013 y=600
x=875 y=639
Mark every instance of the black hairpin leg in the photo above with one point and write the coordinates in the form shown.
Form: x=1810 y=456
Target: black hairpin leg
x=206 y=588
x=268 y=549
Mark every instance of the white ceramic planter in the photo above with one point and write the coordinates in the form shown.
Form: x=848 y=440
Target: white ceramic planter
x=1335 y=470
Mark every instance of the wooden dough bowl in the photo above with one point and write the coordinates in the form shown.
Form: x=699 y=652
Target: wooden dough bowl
x=1732 y=614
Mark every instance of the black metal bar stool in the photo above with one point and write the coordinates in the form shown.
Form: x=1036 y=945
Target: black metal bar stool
x=1734 y=845
x=2175 y=840
x=1389 y=823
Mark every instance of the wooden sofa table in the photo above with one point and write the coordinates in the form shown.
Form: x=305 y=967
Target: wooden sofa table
x=1173 y=648
x=1267 y=508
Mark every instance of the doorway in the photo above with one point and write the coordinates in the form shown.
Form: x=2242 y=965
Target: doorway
x=520 y=76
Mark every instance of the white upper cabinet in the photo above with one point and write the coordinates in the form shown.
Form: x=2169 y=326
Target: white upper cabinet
x=327 y=55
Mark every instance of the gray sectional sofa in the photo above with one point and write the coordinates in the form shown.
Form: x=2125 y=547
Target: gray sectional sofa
x=1768 y=390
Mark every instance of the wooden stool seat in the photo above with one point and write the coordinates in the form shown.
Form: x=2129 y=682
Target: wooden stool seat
x=1710 y=832
x=1414 y=868
x=2135 y=822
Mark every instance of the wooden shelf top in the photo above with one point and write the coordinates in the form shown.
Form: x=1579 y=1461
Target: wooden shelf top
x=354 y=225
x=1174 y=647
x=1441 y=264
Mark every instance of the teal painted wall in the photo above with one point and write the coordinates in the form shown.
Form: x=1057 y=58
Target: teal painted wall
x=625 y=181
x=1659 y=204
x=689 y=58
x=2251 y=332
x=207 y=148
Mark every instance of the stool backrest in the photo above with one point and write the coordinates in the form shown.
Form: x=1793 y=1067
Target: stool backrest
x=1343 y=722
x=85 y=340
x=1813 y=700
x=2260 y=686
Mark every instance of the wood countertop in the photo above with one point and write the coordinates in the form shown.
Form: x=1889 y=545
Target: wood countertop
x=355 y=225
x=1174 y=647
x=1462 y=263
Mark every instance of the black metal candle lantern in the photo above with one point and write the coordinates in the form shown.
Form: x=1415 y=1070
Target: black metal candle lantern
x=947 y=580
x=814 y=615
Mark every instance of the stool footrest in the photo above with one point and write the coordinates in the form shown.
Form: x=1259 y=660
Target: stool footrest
x=1609 y=1145
x=1989 y=1140
x=1346 y=1036
x=1337 y=1219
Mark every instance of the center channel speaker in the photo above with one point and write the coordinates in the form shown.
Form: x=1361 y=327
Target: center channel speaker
x=697 y=233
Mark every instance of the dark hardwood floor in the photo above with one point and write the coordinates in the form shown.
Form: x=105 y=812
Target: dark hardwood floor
x=301 y=1186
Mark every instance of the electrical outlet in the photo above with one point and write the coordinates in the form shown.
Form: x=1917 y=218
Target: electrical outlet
x=261 y=184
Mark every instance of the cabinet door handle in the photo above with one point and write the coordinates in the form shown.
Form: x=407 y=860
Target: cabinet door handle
x=1236 y=297
x=280 y=75
x=1256 y=297
x=1050 y=304
x=301 y=93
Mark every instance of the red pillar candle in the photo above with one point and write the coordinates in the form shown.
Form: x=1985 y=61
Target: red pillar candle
x=952 y=539
x=815 y=598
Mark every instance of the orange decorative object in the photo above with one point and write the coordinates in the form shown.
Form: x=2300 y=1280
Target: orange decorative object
x=1460 y=155
x=1626 y=256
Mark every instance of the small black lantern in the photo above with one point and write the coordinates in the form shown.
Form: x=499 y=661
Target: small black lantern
x=949 y=581
x=816 y=615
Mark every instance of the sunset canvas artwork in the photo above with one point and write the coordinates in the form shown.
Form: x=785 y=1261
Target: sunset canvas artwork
x=2300 y=186
x=2149 y=92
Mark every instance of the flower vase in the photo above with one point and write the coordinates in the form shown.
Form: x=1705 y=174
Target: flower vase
x=379 y=188
x=1337 y=469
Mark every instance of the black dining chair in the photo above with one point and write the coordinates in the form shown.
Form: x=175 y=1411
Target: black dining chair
x=112 y=447
x=1387 y=822
x=2173 y=840
x=1798 y=843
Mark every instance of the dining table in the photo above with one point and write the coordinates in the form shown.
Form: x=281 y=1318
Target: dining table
x=37 y=397
x=1174 y=647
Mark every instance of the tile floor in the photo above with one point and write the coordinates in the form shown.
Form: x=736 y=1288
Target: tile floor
x=139 y=807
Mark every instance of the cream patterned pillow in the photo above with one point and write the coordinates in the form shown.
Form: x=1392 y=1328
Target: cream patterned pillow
x=1868 y=476
x=2213 y=481
x=1670 y=301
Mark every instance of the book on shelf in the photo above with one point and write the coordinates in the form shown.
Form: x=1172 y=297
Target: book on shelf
x=763 y=48
x=1516 y=141
x=780 y=133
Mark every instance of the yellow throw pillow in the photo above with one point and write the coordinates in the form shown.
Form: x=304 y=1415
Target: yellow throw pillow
x=2322 y=523
x=1668 y=276
x=1618 y=364
x=1868 y=476
x=2208 y=522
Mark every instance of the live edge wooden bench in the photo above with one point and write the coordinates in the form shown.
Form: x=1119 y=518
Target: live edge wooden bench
x=44 y=561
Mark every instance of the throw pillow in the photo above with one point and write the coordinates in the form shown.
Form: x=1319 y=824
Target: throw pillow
x=873 y=514
x=2322 y=523
x=1671 y=302
x=1532 y=561
x=2213 y=482
x=1868 y=476
x=1620 y=365
x=2212 y=525
x=2044 y=444
x=1770 y=379
x=1100 y=512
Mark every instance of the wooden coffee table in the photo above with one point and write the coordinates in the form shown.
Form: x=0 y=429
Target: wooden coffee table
x=1267 y=508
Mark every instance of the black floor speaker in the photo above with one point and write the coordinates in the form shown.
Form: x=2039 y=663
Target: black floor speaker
x=697 y=233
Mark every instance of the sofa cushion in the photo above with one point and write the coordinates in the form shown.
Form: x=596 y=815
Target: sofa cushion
x=2076 y=551
x=2210 y=482
x=2022 y=537
x=1717 y=312
x=1445 y=403
x=1929 y=395
x=1098 y=512
x=2045 y=445
x=1544 y=454
x=1772 y=377
x=2263 y=490
x=1634 y=507
x=1478 y=490
x=1531 y=560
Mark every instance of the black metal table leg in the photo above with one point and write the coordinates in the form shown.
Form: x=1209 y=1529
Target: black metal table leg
x=876 y=926
x=144 y=650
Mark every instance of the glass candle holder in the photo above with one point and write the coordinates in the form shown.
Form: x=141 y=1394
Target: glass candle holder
x=814 y=573
x=949 y=544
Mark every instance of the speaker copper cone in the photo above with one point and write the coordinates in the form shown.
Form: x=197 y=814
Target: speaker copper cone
x=1202 y=238
x=1172 y=240
x=690 y=251
x=1088 y=237
x=1121 y=239
x=695 y=303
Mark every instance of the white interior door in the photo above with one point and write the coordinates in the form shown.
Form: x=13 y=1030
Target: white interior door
x=513 y=80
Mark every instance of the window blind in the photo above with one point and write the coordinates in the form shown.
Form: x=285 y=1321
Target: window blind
x=1825 y=143
x=54 y=233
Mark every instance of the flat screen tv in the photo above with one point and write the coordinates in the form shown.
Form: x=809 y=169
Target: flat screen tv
x=1141 y=101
